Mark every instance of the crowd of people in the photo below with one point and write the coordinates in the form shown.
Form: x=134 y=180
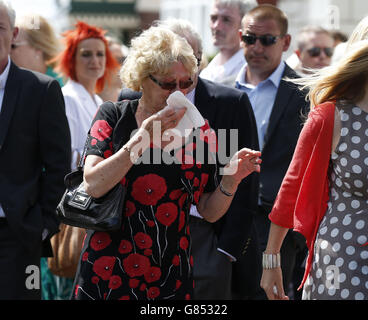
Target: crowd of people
x=278 y=210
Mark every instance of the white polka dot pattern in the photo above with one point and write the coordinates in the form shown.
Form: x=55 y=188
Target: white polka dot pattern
x=340 y=262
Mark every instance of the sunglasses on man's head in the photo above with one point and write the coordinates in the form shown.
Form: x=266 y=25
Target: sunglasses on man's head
x=266 y=39
x=316 y=51
x=172 y=85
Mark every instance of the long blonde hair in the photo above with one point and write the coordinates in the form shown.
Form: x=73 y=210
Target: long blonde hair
x=345 y=80
x=41 y=37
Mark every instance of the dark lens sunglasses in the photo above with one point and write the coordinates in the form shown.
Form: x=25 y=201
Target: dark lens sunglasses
x=316 y=51
x=266 y=39
x=172 y=85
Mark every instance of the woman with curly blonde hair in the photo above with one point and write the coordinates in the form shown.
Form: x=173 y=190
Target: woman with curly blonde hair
x=149 y=258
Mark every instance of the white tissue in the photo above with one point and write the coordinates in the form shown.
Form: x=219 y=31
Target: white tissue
x=191 y=119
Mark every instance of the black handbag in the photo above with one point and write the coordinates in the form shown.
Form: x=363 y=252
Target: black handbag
x=79 y=209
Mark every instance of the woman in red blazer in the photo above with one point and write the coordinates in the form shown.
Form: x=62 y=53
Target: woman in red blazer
x=324 y=194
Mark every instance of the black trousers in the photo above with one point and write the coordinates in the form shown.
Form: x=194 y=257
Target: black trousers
x=211 y=268
x=20 y=276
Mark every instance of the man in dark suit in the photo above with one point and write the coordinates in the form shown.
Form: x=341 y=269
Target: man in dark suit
x=34 y=157
x=216 y=246
x=278 y=106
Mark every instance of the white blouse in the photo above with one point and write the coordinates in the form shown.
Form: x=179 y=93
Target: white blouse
x=80 y=110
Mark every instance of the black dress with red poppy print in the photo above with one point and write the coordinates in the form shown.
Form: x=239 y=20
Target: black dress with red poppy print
x=149 y=258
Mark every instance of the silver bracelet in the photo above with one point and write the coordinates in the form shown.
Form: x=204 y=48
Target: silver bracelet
x=271 y=261
x=226 y=193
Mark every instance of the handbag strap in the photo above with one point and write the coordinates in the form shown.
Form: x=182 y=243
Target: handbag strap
x=81 y=160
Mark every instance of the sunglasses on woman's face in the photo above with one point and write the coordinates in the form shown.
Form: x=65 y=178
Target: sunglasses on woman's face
x=172 y=85
x=266 y=39
x=316 y=51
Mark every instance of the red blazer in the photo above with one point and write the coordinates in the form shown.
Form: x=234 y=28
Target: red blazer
x=302 y=200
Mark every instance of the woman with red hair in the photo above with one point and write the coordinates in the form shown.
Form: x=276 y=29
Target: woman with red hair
x=87 y=62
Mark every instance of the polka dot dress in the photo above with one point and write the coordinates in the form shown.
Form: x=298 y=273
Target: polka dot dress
x=340 y=262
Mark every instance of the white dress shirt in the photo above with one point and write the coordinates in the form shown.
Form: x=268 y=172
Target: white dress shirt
x=224 y=73
x=80 y=109
x=262 y=97
x=3 y=79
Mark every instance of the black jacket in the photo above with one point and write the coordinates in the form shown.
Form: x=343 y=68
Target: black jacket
x=35 y=153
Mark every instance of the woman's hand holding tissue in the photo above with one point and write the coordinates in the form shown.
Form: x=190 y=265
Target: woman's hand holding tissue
x=158 y=123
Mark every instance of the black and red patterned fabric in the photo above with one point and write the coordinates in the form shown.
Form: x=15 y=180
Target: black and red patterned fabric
x=150 y=256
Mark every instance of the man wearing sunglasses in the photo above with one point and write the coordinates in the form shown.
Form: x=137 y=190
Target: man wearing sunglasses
x=278 y=106
x=315 y=49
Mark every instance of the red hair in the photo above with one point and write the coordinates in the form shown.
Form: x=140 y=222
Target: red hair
x=66 y=59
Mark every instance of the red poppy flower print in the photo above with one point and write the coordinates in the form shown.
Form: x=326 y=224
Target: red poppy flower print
x=178 y=284
x=143 y=287
x=101 y=130
x=150 y=223
x=124 y=298
x=175 y=194
x=182 y=199
x=136 y=265
x=166 y=213
x=85 y=256
x=133 y=283
x=129 y=208
x=181 y=220
x=148 y=189
x=176 y=260
x=153 y=274
x=184 y=243
x=107 y=154
x=188 y=162
x=125 y=247
x=196 y=196
x=147 y=252
x=100 y=240
x=206 y=125
x=153 y=292
x=103 y=267
x=95 y=280
x=190 y=147
x=189 y=175
x=76 y=290
x=114 y=282
x=204 y=180
x=143 y=240
x=208 y=135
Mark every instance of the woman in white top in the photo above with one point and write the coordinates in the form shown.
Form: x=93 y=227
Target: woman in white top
x=86 y=61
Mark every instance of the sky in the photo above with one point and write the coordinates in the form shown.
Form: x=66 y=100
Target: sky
x=46 y=8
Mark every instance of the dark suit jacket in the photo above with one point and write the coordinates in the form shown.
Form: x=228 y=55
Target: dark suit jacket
x=286 y=121
x=34 y=153
x=228 y=108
